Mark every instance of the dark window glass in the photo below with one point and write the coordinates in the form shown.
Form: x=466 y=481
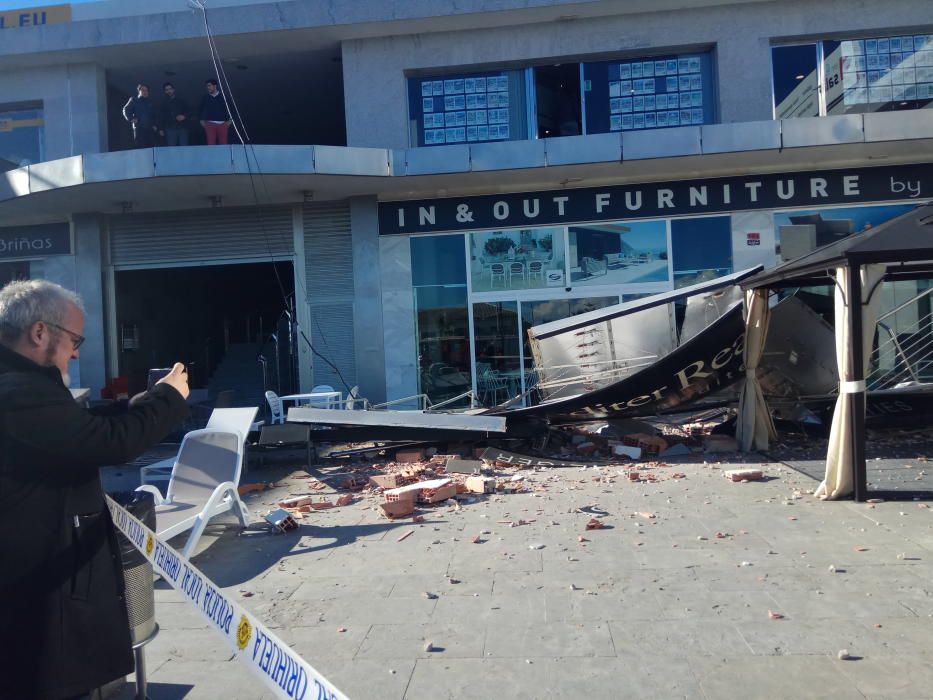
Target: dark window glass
x=648 y=93
x=12 y=271
x=498 y=362
x=467 y=108
x=21 y=136
x=795 y=81
x=442 y=329
x=702 y=249
x=437 y=260
x=557 y=96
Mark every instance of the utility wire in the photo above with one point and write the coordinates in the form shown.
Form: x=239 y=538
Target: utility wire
x=249 y=149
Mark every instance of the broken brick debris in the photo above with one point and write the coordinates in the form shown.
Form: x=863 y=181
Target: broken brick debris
x=744 y=474
x=397 y=509
x=251 y=488
x=480 y=484
x=409 y=456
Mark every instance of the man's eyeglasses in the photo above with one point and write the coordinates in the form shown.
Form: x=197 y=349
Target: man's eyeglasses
x=76 y=340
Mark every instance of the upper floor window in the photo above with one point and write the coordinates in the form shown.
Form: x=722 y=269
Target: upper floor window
x=467 y=108
x=648 y=93
x=873 y=74
x=563 y=99
x=21 y=135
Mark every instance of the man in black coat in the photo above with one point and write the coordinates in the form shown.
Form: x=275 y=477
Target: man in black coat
x=140 y=113
x=173 y=118
x=65 y=627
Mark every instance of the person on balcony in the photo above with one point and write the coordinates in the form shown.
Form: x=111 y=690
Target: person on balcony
x=138 y=111
x=214 y=116
x=173 y=118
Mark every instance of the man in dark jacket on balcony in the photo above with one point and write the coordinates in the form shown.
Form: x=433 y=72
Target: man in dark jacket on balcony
x=214 y=116
x=139 y=112
x=173 y=118
x=65 y=627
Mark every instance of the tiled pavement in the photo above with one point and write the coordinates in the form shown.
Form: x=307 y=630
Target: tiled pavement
x=646 y=608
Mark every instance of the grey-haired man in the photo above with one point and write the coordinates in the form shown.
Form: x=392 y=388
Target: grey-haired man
x=61 y=579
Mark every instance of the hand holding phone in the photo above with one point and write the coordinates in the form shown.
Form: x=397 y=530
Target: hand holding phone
x=177 y=379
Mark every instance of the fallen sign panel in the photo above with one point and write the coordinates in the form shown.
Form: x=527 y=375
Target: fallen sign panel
x=398 y=419
x=707 y=362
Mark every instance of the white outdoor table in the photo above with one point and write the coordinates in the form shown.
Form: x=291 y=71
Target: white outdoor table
x=331 y=398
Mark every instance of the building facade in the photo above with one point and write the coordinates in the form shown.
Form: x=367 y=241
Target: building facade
x=423 y=183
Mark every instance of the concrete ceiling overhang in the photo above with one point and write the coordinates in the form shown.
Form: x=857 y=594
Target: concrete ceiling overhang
x=111 y=34
x=57 y=190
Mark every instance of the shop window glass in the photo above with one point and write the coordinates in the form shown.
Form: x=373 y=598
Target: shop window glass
x=701 y=249
x=441 y=316
x=442 y=329
x=878 y=74
x=648 y=93
x=517 y=259
x=557 y=100
x=21 y=136
x=467 y=108
x=619 y=253
x=437 y=260
x=795 y=81
x=498 y=358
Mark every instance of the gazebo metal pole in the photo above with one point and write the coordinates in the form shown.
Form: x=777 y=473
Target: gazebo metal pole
x=856 y=398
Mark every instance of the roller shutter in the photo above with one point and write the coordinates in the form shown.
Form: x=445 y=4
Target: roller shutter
x=223 y=235
x=329 y=280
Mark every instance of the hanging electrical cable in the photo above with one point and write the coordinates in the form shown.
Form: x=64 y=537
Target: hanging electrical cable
x=239 y=127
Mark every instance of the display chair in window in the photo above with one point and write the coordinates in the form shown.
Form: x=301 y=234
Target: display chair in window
x=516 y=269
x=496 y=271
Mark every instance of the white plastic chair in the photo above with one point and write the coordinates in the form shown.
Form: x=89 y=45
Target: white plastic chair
x=203 y=485
x=323 y=403
x=353 y=398
x=535 y=269
x=235 y=420
x=275 y=406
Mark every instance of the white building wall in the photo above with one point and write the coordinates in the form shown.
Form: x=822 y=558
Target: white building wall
x=74 y=103
x=375 y=83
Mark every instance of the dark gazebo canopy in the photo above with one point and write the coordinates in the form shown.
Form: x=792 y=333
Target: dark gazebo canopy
x=904 y=243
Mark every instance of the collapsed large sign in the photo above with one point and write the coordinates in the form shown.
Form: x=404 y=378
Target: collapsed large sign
x=657 y=199
x=706 y=363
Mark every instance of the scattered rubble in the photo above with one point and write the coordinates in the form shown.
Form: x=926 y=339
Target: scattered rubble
x=744 y=474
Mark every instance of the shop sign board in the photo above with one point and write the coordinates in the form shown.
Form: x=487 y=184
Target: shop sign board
x=35 y=241
x=35 y=16
x=658 y=199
